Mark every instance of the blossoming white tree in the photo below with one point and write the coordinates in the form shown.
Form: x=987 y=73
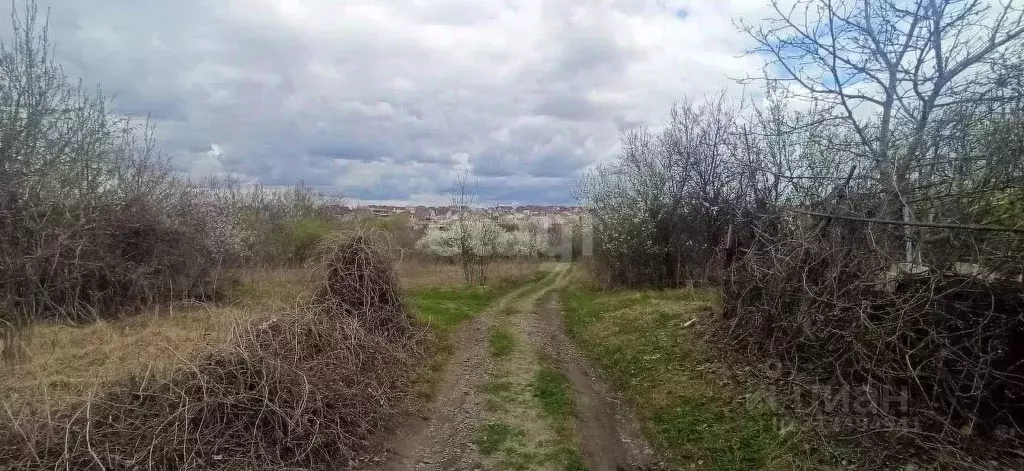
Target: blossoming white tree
x=484 y=240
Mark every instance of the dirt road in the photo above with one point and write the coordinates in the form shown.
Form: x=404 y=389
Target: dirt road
x=517 y=395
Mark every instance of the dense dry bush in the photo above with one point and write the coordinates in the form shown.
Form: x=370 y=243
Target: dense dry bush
x=660 y=212
x=268 y=226
x=362 y=283
x=306 y=390
x=864 y=217
x=931 y=352
x=92 y=217
x=125 y=256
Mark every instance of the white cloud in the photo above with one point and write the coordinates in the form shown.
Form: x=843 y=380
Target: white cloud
x=387 y=99
x=208 y=164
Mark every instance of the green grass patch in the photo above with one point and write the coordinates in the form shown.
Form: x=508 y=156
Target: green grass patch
x=564 y=458
x=445 y=308
x=500 y=342
x=553 y=392
x=507 y=444
x=554 y=395
x=492 y=437
x=497 y=387
x=498 y=394
x=692 y=412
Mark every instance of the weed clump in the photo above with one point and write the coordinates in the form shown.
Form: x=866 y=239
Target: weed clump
x=500 y=342
x=306 y=389
x=922 y=353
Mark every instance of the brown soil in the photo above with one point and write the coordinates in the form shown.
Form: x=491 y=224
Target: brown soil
x=441 y=436
x=609 y=434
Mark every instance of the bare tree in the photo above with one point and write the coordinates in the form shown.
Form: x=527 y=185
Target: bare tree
x=92 y=218
x=895 y=73
x=662 y=210
x=461 y=198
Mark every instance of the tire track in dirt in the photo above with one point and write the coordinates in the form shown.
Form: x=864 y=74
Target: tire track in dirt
x=526 y=437
x=609 y=433
x=441 y=436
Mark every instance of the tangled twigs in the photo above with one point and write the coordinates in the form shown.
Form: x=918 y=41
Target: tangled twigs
x=923 y=352
x=359 y=280
x=307 y=389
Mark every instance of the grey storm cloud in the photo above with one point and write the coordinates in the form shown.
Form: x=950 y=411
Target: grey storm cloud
x=388 y=100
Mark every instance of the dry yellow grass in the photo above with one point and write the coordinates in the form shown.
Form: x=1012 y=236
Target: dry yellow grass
x=341 y=373
x=276 y=288
x=417 y=273
x=62 y=364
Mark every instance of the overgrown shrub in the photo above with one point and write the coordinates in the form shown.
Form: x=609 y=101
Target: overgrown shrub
x=872 y=240
x=92 y=218
x=304 y=390
x=270 y=226
x=296 y=240
x=928 y=353
x=662 y=210
x=129 y=257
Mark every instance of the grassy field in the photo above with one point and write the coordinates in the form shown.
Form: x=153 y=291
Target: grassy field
x=441 y=299
x=648 y=343
x=61 y=364
x=417 y=273
x=445 y=307
x=652 y=350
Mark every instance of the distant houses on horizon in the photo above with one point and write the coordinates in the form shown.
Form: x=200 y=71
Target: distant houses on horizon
x=423 y=215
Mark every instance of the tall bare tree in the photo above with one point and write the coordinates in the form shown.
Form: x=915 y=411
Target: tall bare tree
x=461 y=198
x=93 y=219
x=893 y=73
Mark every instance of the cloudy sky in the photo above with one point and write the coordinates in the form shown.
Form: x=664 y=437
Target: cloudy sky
x=387 y=100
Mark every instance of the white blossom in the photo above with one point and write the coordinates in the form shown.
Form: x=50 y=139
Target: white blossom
x=483 y=238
